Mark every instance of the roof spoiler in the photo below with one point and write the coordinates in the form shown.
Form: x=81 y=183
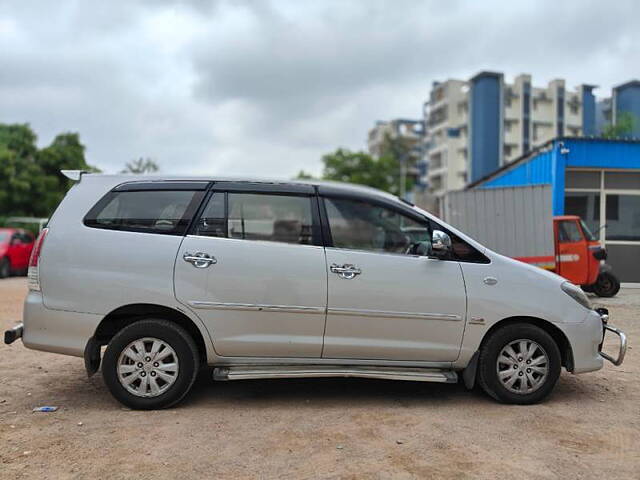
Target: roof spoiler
x=75 y=175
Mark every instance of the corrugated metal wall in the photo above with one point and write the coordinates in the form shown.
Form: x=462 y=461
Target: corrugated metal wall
x=514 y=221
x=535 y=171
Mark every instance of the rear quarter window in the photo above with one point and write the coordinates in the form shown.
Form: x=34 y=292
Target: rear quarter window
x=150 y=211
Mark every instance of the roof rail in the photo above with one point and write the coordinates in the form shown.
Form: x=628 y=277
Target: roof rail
x=75 y=175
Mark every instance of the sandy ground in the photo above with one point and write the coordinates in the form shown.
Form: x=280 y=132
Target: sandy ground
x=343 y=428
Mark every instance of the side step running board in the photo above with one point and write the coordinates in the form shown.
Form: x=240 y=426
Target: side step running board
x=249 y=372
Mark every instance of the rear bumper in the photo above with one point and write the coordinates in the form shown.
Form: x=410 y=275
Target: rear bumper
x=56 y=331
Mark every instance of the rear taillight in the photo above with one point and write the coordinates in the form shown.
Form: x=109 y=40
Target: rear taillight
x=34 y=269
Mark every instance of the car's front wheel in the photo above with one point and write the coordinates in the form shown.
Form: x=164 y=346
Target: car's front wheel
x=150 y=364
x=519 y=363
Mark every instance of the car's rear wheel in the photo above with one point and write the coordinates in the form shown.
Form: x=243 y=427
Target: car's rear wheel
x=519 y=363
x=150 y=364
x=5 y=267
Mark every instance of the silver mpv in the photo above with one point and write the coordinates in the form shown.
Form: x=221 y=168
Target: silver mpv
x=264 y=279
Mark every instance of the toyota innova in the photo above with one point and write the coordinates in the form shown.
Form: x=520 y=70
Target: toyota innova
x=154 y=278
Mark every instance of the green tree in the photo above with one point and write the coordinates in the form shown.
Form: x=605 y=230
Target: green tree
x=302 y=175
x=30 y=180
x=383 y=173
x=399 y=151
x=141 y=166
x=358 y=167
x=625 y=123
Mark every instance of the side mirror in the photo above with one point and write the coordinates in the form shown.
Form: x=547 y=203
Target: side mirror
x=440 y=244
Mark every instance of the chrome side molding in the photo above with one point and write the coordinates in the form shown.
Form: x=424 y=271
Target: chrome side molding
x=257 y=307
x=254 y=307
x=382 y=313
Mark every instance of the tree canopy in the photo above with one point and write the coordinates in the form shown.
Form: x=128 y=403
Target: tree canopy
x=30 y=180
x=359 y=167
x=141 y=166
x=623 y=127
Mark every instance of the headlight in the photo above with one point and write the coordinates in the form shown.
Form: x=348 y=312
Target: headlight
x=576 y=293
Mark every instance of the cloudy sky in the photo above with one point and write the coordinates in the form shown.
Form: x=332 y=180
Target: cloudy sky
x=267 y=87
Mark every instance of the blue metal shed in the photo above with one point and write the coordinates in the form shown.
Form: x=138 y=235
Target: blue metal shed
x=595 y=178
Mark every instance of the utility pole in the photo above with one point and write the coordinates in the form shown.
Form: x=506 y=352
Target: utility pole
x=403 y=176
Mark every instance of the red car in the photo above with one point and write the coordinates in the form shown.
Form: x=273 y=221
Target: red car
x=15 y=249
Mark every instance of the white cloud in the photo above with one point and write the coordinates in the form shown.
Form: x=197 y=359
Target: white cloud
x=265 y=88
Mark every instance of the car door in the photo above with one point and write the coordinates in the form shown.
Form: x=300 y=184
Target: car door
x=23 y=250
x=253 y=269
x=28 y=247
x=17 y=252
x=572 y=252
x=384 y=301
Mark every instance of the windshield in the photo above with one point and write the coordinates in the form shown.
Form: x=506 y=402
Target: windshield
x=587 y=233
x=4 y=236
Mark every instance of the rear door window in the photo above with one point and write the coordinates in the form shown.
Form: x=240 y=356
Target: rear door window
x=258 y=216
x=151 y=211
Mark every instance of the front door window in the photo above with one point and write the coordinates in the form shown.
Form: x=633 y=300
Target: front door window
x=363 y=226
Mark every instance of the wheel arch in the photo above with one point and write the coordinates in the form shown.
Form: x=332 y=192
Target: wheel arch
x=566 y=353
x=125 y=315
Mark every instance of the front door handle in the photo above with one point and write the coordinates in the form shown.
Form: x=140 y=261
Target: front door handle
x=199 y=259
x=346 y=271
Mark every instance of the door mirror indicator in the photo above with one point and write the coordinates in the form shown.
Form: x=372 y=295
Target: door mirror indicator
x=440 y=244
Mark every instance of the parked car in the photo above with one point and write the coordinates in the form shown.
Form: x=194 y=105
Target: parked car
x=15 y=249
x=262 y=280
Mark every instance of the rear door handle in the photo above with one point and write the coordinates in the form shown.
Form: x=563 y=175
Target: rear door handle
x=199 y=259
x=346 y=271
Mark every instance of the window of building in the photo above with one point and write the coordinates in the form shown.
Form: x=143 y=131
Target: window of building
x=507 y=150
x=622 y=180
x=453 y=132
x=623 y=217
x=582 y=179
x=150 y=211
x=586 y=205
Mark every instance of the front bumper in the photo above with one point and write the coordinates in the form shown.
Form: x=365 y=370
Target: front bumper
x=604 y=316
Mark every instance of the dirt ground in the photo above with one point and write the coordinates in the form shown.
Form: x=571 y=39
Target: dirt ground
x=342 y=428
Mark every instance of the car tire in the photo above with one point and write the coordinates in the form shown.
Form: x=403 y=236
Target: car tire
x=5 y=267
x=607 y=285
x=162 y=377
x=534 y=365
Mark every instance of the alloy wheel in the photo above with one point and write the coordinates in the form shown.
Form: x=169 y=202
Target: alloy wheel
x=147 y=367
x=522 y=366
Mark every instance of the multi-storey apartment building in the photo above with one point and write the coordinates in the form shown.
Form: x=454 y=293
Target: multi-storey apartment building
x=476 y=126
x=411 y=133
x=447 y=140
